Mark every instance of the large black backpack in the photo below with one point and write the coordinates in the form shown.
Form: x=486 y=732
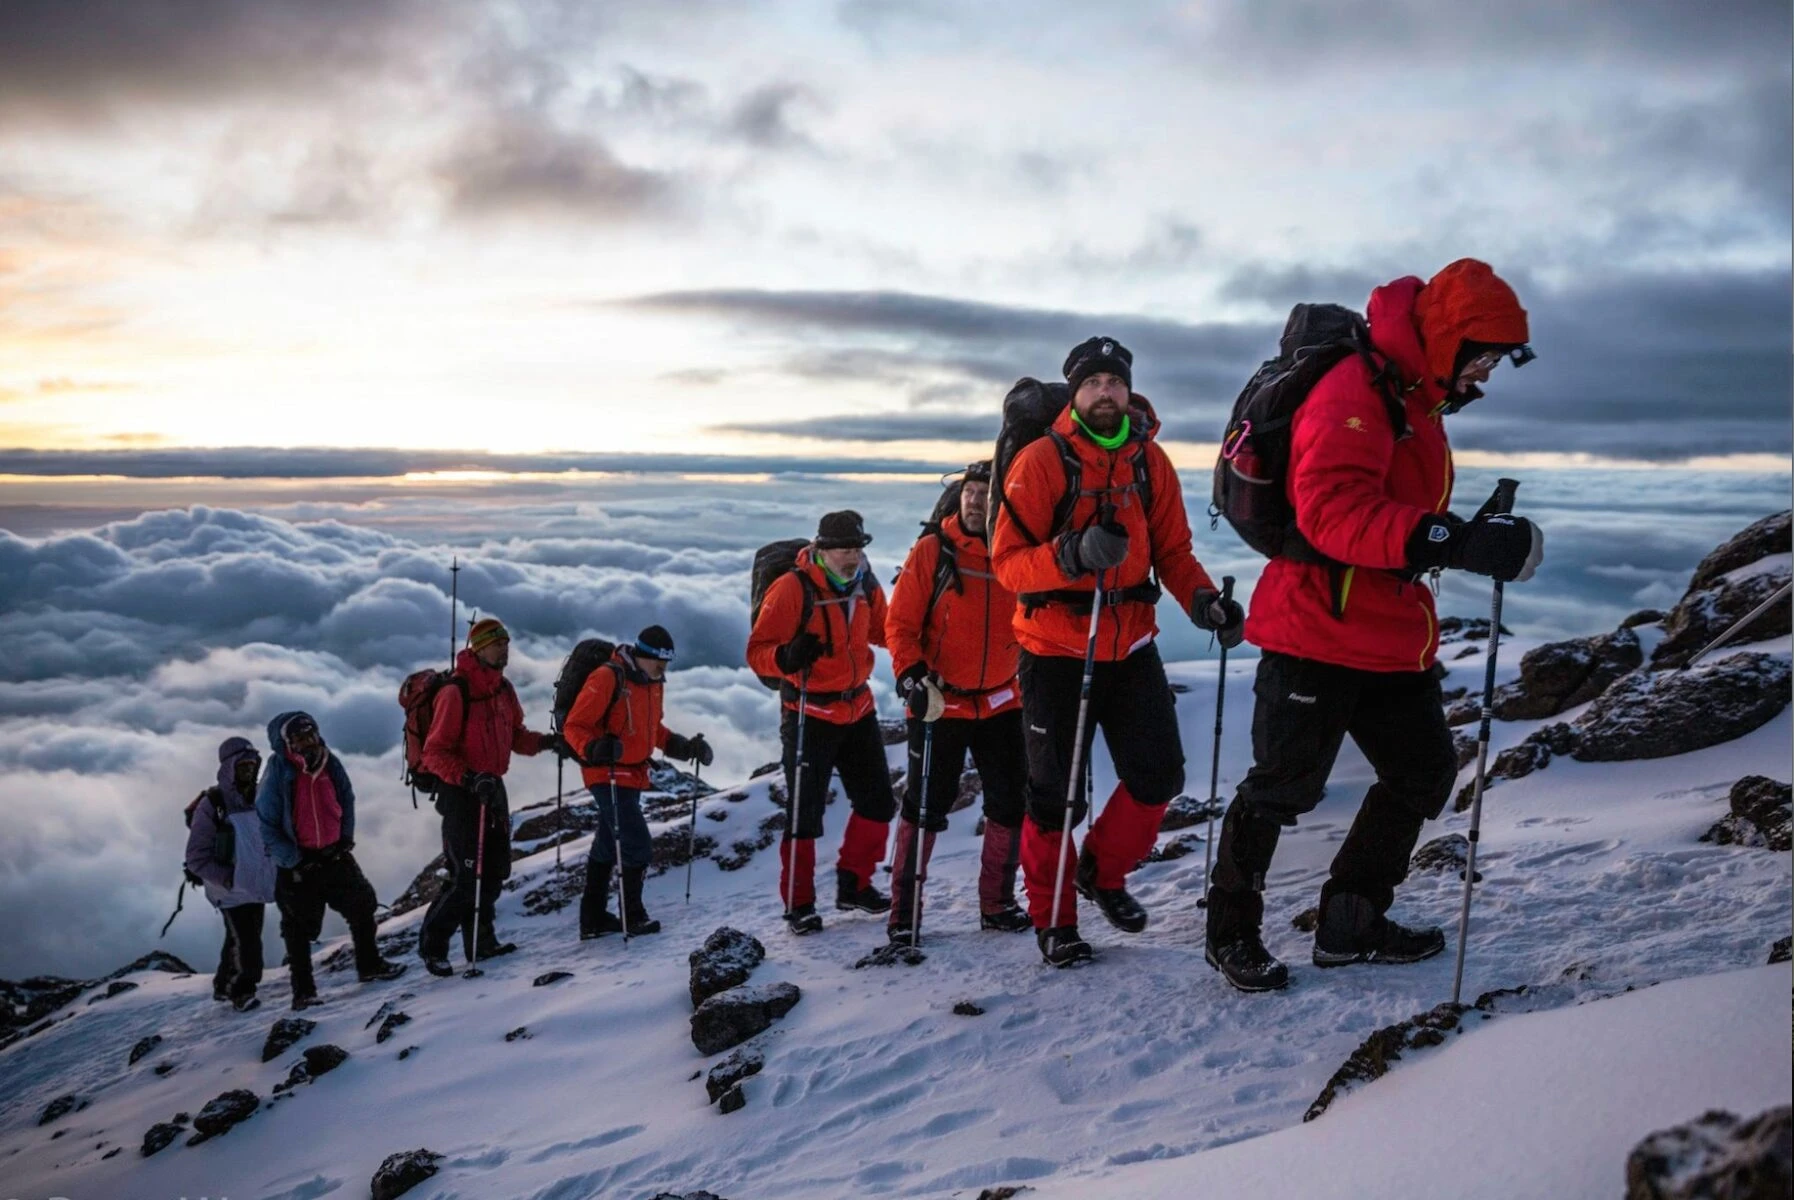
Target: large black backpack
x=777 y=559
x=1251 y=471
x=587 y=656
x=1029 y=411
x=946 y=563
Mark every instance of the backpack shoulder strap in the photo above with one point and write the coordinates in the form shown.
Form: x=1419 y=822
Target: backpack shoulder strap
x=1074 y=483
x=615 y=667
x=946 y=573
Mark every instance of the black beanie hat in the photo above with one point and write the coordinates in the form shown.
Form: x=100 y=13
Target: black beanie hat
x=978 y=472
x=655 y=642
x=841 y=530
x=1095 y=355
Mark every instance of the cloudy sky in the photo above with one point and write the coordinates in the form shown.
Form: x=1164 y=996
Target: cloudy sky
x=832 y=230
x=276 y=274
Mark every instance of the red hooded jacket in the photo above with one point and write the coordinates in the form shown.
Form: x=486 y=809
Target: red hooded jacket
x=969 y=639
x=1157 y=540
x=482 y=734
x=620 y=701
x=848 y=625
x=1359 y=492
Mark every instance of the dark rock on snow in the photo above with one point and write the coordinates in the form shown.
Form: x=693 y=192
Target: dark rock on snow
x=519 y=1034
x=223 y=1112
x=391 y=1025
x=687 y=1196
x=1714 y=601
x=25 y=1003
x=550 y=977
x=1780 y=950
x=1564 y=674
x=1186 y=811
x=1718 y=1156
x=1306 y=921
x=1448 y=853
x=117 y=987
x=61 y=1107
x=1657 y=714
x=732 y=1017
x=144 y=1046
x=732 y=1100
x=891 y=955
x=1517 y=762
x=1371 y=1060
x=402 y=1172
x=1174 y=849
x=725 y=1075
x=287 y=1033
x=965 y=1008
x=1641 y=618
x=1467 y=629
x=1465 y=744
x=158 y=1137
x=725 y=960
x=316 y=1061
x=1760 y=815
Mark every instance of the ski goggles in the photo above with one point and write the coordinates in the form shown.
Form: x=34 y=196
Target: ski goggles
x=1488 y=360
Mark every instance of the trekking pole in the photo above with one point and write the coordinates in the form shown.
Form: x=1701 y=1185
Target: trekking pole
x=915 y=858
x=797 y=787
x=1214 y=762
x=616 y=833
x=1781 y=594
x=454 y=605
x=1502 y=502
x=691 y=833
x=560 y=785
x=479 y=875
x=1077 y=752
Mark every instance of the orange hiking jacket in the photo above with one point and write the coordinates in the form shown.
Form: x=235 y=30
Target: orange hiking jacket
x=968 y=641
x=634 y=718
x=849 y=627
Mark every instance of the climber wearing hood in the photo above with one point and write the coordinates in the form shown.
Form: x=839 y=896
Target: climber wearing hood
x=1348 y=644
x=307 y=810
x=226 y=853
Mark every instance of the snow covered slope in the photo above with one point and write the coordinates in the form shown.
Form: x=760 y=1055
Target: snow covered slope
x=1069 y=1081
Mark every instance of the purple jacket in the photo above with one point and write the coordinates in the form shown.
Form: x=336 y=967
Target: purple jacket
x=249 y=878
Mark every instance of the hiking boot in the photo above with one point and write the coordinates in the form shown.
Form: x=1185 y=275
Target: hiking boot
x=1245 y=963
x=220 y=995
x=898 y=933
x=305 y=1000
x=638 y=921
x=382 y=971
x=1120 y=909
x=850 y=896
x=1352 y=931
x=605 y=922
x=804 y=919
x=1062 y=947
x=491 y=947
x=1009 y=920
x=248 y=1003
x=436 y=964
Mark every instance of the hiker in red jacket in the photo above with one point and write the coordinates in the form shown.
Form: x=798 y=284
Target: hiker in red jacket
x=476 y=726
x=1348 y=644
x=826 y=660
x=951 y=629
x=1126 y=526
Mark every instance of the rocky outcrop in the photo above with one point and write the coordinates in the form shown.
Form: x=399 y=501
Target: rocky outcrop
x=1186 y=811
x=1730 y=582
x=725 y=960
x=287 y=1033
x=1760 y=811
x=223 y=1113
x=1517 y=762
x=730 y=1018
x=1717 y=1156
x=145 y=1046
x=316 y=1061
x=399 y=1173
x=1448 y=853
x=1371 y=1060
x=728 y=1074
x=1563 y=675
x=159 y=1137
x=890 y=955
x=1655 y=714
x=61 y=1107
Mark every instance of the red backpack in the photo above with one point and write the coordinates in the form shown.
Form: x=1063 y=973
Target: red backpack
x=417 y=696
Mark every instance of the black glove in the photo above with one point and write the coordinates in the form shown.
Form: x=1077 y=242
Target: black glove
x=484 y=786
x=1220 y=615
x=555 y=744
x=1093 y=548
x=907 y=681
x=799 y=654
x=701 y=753
x=603 y=751
x=1499 y=545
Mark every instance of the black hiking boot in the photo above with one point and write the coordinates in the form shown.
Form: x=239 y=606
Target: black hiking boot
x=1062 y=947
x=605 y=922
x=1352 y=931
x=637 y=922
x=220 y=995
x=303 y=1000
x=1120 y=909
x=804 y=919
x=851 y=897
x=1245 y=964
x=248 y=1003
x=436 y=964
x=1009 y=920
x=382 y=971
x=898 y=933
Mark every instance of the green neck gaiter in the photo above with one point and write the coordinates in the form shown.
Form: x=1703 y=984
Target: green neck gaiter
x=1111 y=442
x=841 y=584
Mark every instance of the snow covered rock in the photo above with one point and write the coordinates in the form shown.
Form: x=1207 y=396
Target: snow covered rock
x=390 y=1026
x=399 y=1173
x=1371 y=1060
x=889 y=955
x=287 y=1033
x=730 y=1018
x=548 y=978
x=1186 y=811
x=1716 y=1157
x=1562 y=675
x=725 y=1075
x=61 y=1107
x=144 y=1046
x=1643 y=617
x=159 y=1137
x=1760 y=815
x=725 y=960
x=1730 y=582
x=1517 y=762
x=316 y=1061
x=1448 y=853
x=1655 y=714
x=1780 y=951
x=222 y=1113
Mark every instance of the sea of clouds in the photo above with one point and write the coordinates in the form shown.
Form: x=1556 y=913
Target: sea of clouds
x=133 y=647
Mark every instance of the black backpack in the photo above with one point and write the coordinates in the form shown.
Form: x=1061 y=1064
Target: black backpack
x=776 y=559
x=1251 y=471
x=588 y=656
x=224 y=845
x=946 y=563
x=1029 y=411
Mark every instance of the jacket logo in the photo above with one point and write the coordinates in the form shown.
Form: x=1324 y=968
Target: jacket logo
x=1299 y=698
x=1356 y=424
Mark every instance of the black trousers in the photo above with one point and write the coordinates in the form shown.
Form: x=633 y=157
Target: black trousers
x=997 y=751
x=1130 y=701
x=324 y=878
x=453 y=907
x=856 y=751
x=1305 y=711
x=240 y=958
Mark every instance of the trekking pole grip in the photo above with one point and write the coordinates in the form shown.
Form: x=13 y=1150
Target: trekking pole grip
x=1503 y=500
x=1226 y=587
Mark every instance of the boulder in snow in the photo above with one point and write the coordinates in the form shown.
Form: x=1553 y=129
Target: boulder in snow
x=61 y=1107
x=1186 y=811
x=391 y=1025
x=402 y=1172
x=1780 y=950
x=1517 y=762
x=725 y=960
x=316 y=1061
x=551 y=977
x=1716 y=1157
x=730 y=1018
x=725 y=1075
x=222 y=1113
x=143 y=1046
x=890 y=954
x=287 y=1033
x=159 y=1137
x=1729 y=583
x=1371 y=1060
x=1760 y=814
x=1564 y=674
x=1654 y=714
x=1448 y=853
x=1643 y=617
